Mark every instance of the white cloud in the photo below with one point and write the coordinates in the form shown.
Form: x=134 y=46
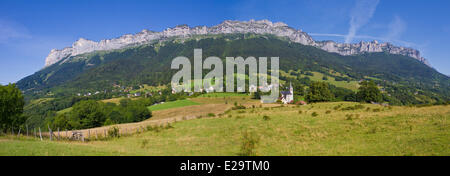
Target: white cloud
x=359 y=16
x=396 y=28
x=10 y=30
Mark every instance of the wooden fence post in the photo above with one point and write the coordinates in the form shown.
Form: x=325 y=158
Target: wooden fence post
x=27 y=130
x=34 y=129
x=105 y=132
x=50 y=132
x=18 y=134
x=67 y=135
x=89 y=134
x=96 y=136
x=40 y=133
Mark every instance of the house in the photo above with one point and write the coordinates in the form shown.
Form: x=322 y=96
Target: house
x=287 y=96
x=210 y=89
x=252 y=88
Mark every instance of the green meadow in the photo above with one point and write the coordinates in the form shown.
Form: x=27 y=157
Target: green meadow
x=338 y=128
x=172 y=104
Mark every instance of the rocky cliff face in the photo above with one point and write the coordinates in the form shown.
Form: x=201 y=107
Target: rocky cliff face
x=228 y=27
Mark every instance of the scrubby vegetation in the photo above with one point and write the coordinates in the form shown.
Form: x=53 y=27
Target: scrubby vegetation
x=397 y=131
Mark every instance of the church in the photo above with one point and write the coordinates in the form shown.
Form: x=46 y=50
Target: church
x=288 y=96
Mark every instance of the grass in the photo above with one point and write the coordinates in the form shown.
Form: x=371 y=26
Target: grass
x=173 y=104
x=223 y=94
x=352 y=85
x=64 y=110
x=391 y=131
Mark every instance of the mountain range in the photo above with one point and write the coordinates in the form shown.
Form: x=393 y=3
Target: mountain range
x=279 y=29
x=145 y=58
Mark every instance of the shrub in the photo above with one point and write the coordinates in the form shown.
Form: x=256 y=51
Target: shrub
x=359 y=106
x=113 y=132
x=300 y=111
x=238 y=107
x=328 y=112
x=249 y=143
x=211 y=115
x=356 y=107
x=266 y=117
x=314 y=114
x=337 y=107
x=349 y=116
x=144 y=143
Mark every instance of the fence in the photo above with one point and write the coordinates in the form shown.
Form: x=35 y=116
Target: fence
x=99 y=133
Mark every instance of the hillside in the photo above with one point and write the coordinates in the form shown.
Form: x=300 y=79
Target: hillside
x=406 y=79
x=280 y=130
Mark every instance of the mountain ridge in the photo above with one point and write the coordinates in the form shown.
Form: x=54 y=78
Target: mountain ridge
x=280 y=29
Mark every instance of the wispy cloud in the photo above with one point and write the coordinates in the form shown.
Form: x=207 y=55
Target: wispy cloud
x=396 y=28
x=359 y=16
x=11 y=30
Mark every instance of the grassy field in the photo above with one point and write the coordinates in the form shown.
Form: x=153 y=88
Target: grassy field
x=339 y=128
x=223 y=94
x=172 y=104
x=317 y=76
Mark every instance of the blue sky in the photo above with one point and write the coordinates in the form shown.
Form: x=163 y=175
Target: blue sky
x=30 y=29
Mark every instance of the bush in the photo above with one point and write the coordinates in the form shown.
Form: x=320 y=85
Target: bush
x=314 y=114
x=113 y=132
x=144 y=143
x=337 y=107
x=356 y=107
x=211 y=115
x=248 y=145
x=266 y=117
x=238 y=107
x=349 y=116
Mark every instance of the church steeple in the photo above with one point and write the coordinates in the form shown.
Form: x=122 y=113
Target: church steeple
x=290 y=88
